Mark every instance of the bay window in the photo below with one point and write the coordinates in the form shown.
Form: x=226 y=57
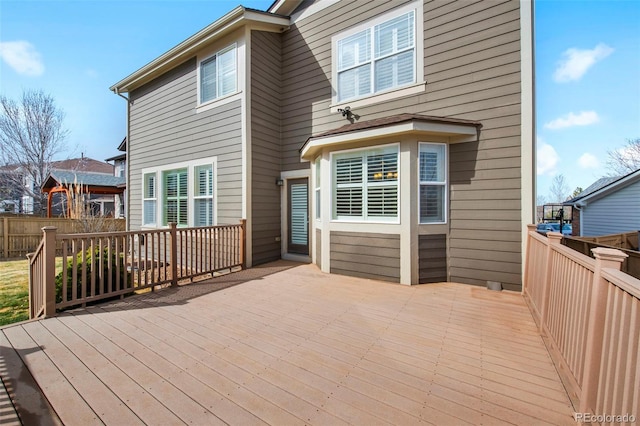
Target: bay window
x=366 y=185
x=433 y=182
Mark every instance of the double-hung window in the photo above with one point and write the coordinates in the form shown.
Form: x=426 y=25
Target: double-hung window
x=218 y=75
x=378 y=58
x=149 y=199
x=203 y=195
x=176 y=197
x=433 y=182
x=366 y=185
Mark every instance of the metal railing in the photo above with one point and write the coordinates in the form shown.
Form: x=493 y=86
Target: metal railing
x=97 y=266
x=588 y=313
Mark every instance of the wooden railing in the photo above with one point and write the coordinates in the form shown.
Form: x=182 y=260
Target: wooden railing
x=98 y=266
x=631 y=264
x=588 y=312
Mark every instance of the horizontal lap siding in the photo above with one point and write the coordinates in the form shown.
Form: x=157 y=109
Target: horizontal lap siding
x=432 y=257
x=616 y=213
x=472 y=69
x=366 y=255
x=265 y=145
x=165 y=129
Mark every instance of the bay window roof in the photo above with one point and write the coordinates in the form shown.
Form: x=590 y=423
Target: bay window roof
x=456 y=129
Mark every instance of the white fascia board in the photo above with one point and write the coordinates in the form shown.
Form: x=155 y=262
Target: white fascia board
x=458 y=133
x=231 y=21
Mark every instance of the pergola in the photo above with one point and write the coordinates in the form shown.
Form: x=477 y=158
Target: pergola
x=63 y=181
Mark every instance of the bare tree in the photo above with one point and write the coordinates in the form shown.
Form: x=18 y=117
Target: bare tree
x=31 y=133
x=559 y=190
x=625 y=160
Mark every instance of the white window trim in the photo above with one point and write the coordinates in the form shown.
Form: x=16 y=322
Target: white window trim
x=417 y=86
x=317 y=192
x=333 y=219
x=445 y=200
x=190 y=166
x=219 y=100
x=154 y=198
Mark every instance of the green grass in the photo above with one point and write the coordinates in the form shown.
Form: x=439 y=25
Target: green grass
x=14 y=291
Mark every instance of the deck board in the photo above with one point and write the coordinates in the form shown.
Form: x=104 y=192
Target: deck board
x=287 y=344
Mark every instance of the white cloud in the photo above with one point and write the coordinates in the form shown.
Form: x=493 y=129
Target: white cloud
x=588 y=161
x=583 y=118
x=547 y=159
x=576 y=62
x=22 y=56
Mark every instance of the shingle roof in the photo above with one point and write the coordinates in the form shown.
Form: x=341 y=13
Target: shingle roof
x=600 y=183
x=83 y=164
x=88 y=179
x=396 y=119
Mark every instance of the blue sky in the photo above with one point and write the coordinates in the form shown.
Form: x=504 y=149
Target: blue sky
x=587 y=70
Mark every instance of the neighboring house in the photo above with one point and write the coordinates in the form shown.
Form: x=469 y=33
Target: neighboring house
x=120 y=170
x=23 y=186
x=390 y=140
x=101 y=190
x=611 y=205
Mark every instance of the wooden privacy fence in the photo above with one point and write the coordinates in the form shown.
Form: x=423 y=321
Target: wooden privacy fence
x=98 y=266
x=588 y=312
x=20 y=235
x=622 y=242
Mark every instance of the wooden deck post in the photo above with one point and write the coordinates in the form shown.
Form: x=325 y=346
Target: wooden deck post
x=49 y=273
x=554 y=239
x=527 y=260
x=243 y=245
x=5 y=237
x=173 y=240
x=605 y=258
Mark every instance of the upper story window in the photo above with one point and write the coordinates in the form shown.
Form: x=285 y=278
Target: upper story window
x=366 y=185
x=218 y=74
x=377 y=58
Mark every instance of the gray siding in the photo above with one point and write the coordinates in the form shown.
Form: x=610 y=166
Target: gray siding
x=432 y=256
x=265 y=145
x=616 y=213
x=165 y=129
x=472 y=66
x=366 y=255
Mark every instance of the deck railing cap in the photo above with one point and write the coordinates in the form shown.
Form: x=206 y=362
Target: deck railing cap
x=609 y=254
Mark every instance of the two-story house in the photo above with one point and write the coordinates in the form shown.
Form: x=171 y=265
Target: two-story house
x=120 y=170
x=390 y=140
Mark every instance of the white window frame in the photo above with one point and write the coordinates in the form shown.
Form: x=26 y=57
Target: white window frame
x=154 y=198
x=317 y=188
x=418 y=84
x=191 y=197
x=201 y=62
x=363 y=152
x=444 y=183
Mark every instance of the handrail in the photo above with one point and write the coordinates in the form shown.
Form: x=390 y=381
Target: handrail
x=589 y=318
x=97 y=266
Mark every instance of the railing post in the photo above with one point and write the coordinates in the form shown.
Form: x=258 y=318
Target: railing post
x=527 y=259
x=554 y=239
x=605 y=258
x=31 y=313
x=49 y=273
x=5 y=237
x=243 y=245
x=173 y=239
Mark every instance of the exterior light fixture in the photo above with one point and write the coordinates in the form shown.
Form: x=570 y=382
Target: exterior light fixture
x=280 y=182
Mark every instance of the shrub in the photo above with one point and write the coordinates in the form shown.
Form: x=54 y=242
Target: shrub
x=92 y=261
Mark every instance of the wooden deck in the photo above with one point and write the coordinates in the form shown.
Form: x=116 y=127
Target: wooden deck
x=287 y=344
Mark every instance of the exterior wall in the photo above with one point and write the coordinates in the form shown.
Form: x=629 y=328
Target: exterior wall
x=472 y=70
x=615 y=213
x=319 y=248
x=432 y=257
x=165 y=129
x=265 y=145
x=366 y=255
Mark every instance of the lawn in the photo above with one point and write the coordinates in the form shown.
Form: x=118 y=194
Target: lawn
x=14 y=291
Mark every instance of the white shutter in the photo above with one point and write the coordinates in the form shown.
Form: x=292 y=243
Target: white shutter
x=208 y=80
x=432 y=182
x=149 y=196
x=382 y=201
x=299 y=214
x=203 y=194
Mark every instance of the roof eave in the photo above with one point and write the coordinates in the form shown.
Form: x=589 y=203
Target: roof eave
x=456 y=133
x=612 y=187
x=237 y=18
